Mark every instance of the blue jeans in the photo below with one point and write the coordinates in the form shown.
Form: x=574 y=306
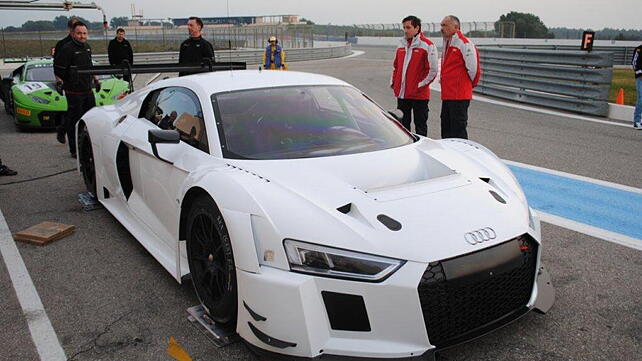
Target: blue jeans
x=638 y=103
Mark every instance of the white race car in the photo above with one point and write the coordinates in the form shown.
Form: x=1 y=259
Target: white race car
x=310 y=221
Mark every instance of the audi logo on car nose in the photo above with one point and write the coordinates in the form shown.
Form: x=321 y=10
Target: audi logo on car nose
x=480 y=236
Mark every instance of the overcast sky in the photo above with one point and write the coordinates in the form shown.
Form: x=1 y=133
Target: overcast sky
x=596 y=14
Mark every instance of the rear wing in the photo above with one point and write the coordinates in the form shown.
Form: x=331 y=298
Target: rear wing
x=126 y=69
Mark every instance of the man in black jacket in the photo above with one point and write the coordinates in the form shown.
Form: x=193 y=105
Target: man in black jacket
x=637 y=67
x=120 y=49
x=195 y=49
x=78 y=90
x=66 y=39
x=60 y=129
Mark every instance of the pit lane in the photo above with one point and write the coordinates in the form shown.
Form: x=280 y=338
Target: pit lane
x=108 y=299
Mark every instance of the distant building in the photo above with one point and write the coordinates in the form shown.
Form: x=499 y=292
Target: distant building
x=244 y=20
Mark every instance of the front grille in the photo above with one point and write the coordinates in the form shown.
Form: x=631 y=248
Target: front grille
x=50 y=119
x=458 y=308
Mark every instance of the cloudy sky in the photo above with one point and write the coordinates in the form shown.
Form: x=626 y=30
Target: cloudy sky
x=595 y=14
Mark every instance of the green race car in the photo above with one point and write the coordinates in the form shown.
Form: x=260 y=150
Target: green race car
x=29 y=94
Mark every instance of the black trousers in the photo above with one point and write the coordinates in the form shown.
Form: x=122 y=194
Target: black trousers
x=419 y=109
x=454 y=118
x=77 y=106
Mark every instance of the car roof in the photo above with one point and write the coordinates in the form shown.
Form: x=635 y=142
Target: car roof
x=227 y=81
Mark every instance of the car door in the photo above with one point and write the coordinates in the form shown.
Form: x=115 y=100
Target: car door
x=157 y=182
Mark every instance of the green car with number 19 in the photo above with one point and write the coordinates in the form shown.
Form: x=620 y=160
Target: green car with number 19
x=29 y=94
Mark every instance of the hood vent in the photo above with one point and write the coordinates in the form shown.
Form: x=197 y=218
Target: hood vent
x=345 y=209
x=498 y=197
x=392 y=224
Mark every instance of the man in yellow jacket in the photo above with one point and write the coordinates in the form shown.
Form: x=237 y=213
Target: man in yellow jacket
x=274 y=55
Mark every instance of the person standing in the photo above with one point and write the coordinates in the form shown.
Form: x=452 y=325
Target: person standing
x=78 y=90
x=460 y=72
x=414 y=68
x=195 y=48
x=274 y=55
x=60 y=129
x=66 y=39
x=637 y=68
x=120 y=49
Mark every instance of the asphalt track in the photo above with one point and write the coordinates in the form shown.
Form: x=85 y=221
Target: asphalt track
x=108 y=299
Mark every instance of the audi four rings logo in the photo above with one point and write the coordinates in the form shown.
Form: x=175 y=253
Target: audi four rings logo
x=480 y=236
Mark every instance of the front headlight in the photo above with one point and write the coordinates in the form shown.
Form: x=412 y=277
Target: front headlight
x=338 y=263
x=38 y=99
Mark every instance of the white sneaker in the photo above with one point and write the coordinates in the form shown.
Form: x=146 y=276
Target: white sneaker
x=637 y=126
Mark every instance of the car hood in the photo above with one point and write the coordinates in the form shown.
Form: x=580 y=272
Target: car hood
x=434 y=193
x=43 y=90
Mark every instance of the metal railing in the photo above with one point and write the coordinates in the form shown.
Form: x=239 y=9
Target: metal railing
x=251 y=57
x=622 y=55
x=151 y=39
x=574 y=81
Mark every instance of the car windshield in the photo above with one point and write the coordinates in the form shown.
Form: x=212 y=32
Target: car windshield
x=303 y=122
x=46 y=73
x=40 y=73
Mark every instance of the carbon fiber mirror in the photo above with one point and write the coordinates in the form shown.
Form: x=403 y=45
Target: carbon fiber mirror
x=162 y=136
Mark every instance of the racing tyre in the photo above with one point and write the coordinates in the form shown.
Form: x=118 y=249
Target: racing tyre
x=211 y=262
x=86 y=160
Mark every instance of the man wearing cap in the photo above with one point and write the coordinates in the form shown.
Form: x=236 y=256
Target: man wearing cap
x=274 y=56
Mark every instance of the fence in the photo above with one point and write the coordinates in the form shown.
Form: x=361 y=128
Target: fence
x=574 y=81
x=251 y=57
x=481 y=29
x=159 y=38
x=622 y=55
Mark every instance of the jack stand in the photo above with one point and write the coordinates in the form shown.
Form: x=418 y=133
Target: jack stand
x=205 y=324
x=88 y=201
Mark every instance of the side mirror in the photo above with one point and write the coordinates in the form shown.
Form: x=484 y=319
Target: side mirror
x=162 y=136
x=396 y=113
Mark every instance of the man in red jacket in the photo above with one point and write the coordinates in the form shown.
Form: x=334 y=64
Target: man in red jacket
x=460 y=73
x=414 y=68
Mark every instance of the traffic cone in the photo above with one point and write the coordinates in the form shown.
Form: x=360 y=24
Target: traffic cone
x=620 y=97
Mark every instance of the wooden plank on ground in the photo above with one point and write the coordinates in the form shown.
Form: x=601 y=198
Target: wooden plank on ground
x=44 y=233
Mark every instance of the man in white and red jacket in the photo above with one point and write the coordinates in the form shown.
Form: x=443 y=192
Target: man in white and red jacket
x=415 y=67
x=460 y=72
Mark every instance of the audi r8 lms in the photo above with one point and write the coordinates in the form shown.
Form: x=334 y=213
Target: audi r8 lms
x=310 y=221
x=29 y=94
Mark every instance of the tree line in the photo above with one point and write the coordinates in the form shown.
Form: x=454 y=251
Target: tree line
x=60 y=23
x=526 y=26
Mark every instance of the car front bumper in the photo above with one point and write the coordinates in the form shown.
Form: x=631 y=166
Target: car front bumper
x=411 y=315
x=27 y=117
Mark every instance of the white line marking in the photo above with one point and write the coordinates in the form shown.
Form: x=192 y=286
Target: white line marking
x=153 y=78
x=355 y=53
x=577 y=177
x=550 y=112
x=591 y=231
x=437 y=87
x=42 y=333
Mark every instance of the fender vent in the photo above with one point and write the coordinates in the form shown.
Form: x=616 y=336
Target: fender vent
x=124 y=173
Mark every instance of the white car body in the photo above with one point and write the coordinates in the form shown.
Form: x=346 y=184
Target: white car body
x=437 y=190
